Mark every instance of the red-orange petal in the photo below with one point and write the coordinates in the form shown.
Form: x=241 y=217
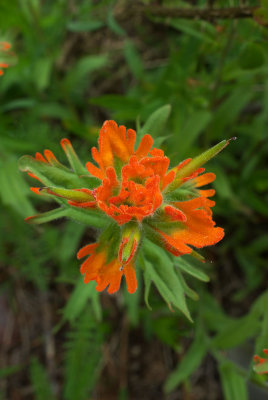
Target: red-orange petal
x=36 y=190
x=144 y=147
x=50 y=156
x=207 y=193
x=204 y=179
x=175 y=213
x=40 y=157
x=86 y=250
x=131 y=280
x=93 y=170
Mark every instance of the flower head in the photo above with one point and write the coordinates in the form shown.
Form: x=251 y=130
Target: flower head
x=139 y=195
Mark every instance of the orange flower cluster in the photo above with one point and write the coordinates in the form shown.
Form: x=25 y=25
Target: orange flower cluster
x=135 y=192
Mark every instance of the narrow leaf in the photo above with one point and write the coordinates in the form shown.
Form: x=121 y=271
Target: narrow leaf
x=81 y=295
x=196 y=163
x=161 y=271
x=47 y=216
x=234 y=385
x=155 y=124
x=189 y=363
x=73 y=159
x=191 y=270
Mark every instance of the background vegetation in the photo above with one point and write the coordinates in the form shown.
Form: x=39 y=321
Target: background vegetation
x=79 y=63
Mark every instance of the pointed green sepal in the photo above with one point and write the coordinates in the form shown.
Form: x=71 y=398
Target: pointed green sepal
x=51 y=175
x=196 y=163
x=77 y=195
x=190 y=269
x=197 y=256
x=73 y=159
x=160 y=270
x=47 y=216
x=87 y=217
x=130 y=239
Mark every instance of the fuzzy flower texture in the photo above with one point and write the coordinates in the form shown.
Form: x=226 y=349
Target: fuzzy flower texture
x=142 y=197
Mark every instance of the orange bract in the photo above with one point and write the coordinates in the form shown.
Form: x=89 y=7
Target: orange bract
x=197 y=229
x=105 y=273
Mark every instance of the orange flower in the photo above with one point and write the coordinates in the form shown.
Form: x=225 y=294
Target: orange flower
x=104 y=272
x=132 y=181
x=140 y=197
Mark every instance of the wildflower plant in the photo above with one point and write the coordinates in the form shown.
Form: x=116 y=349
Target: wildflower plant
x=150 y=214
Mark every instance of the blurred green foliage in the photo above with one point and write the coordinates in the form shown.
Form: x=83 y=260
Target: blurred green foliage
x=81 y=62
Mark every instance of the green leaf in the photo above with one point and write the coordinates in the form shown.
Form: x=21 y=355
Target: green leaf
x=40 y=381
x=84 y=26
x=234 y=385
x=69 y=242
x=229 y=110
x=222 y=184
x=82 y=69
x=237 y=331
x=189 y=363
x=48 y=216
x=213 y=314
x=82 y=357
x=41 y=73
x=114 y=26
x=14 y=190
x=196 y=163
x=188 y=291
x=80 y=297
x=191 y=130
x=73 y=159
x=191 y=28
x=17 y=104
x=133 y=59
x=156 y=123
x=160 y=269
x=252 y=56
x=261 y=305
x=89 y=217
x=147 y=279
x=122 y=105
x=70 y=194
x=191 y=270
x=54 y=175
